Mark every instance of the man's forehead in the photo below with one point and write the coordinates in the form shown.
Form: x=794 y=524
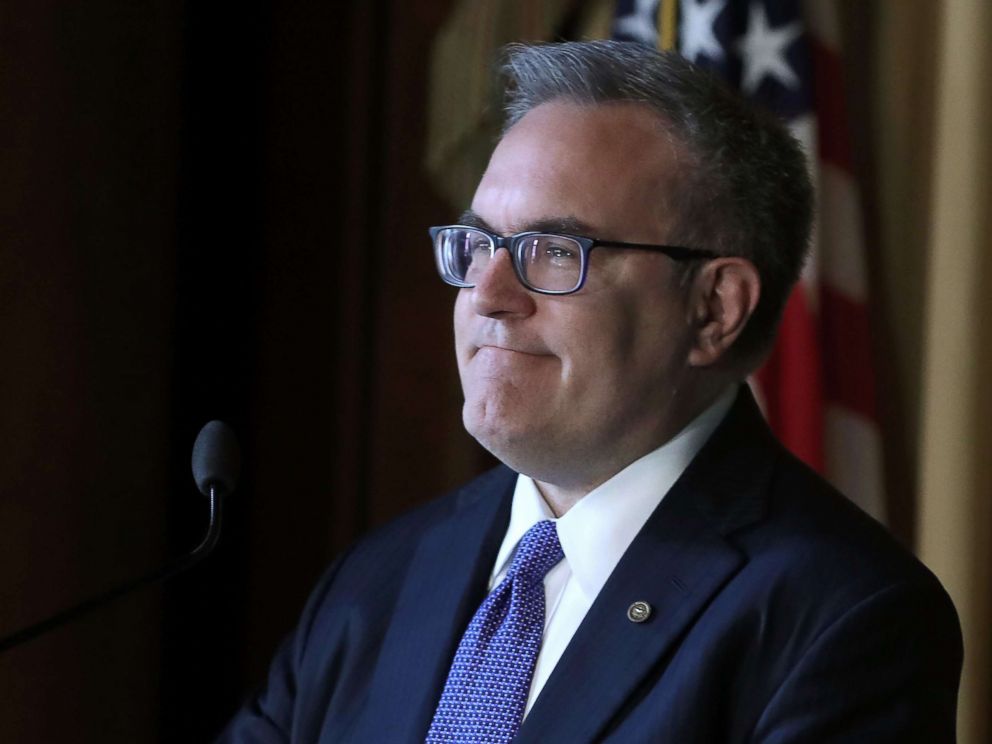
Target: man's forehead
x=603 y=171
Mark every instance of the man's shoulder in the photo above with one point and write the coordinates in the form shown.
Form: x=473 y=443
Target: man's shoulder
x=366 y=579
x=815 y=537
x=784 y=516
x=806 y=550
x=392 y=545
x=493 y=483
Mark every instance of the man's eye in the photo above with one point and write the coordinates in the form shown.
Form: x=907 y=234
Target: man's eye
x=560 y=253
x=480 y=248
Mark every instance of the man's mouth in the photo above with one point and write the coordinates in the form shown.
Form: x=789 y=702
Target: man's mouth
x=510 y=350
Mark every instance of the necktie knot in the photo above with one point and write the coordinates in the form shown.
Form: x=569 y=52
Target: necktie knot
x=537 y=553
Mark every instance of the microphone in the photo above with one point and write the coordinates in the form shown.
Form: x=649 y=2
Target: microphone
x=216 y=466
x=216 y=459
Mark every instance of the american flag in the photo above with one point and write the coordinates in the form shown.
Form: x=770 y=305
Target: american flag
x=817 y=388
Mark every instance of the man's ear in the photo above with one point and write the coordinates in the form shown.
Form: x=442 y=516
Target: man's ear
x=722 y=298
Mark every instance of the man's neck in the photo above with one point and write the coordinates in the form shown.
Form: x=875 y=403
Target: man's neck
x=561 y=497
x=560 y=500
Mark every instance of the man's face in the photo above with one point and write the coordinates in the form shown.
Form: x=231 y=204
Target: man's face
x=571 y=389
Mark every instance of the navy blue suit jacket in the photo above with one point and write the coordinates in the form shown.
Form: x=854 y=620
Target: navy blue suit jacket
x=781 y=613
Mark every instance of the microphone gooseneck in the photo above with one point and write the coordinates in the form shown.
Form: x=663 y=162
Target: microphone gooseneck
x=216 y=466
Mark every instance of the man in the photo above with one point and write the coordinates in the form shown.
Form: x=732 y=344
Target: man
x=649 y=564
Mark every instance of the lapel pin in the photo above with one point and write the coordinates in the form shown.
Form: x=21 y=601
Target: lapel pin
x=639 y=612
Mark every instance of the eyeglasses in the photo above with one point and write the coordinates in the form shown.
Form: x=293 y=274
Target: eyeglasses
x=548 y=263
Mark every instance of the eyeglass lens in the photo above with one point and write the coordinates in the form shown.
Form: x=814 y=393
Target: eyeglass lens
x=548 y=262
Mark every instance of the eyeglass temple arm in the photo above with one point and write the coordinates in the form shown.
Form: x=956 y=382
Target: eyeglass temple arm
x=676 y=252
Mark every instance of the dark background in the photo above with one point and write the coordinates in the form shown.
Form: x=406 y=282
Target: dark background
x=207 y=210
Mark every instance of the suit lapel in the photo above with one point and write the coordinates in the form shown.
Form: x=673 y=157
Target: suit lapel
x=446 y=582
x=676 y=564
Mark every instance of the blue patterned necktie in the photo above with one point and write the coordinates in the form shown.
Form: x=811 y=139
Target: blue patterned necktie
x=489 y=681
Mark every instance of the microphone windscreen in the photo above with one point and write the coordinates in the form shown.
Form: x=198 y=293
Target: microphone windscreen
x=216 y=458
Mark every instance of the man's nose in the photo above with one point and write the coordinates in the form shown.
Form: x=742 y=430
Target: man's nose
x=498 y=292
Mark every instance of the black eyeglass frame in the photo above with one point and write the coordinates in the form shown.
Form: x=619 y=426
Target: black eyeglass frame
x=511 y=242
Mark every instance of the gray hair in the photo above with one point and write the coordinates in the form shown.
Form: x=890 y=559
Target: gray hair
x=745 y=190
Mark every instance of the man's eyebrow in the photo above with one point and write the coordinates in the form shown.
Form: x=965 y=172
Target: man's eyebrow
x=471 y=219
x=566 y=224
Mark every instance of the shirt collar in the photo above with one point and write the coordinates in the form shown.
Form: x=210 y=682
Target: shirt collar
x=528 y=508
x=596 y=532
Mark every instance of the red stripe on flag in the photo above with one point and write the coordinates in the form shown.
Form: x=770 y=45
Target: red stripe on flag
x=791 y=383
x=831 y=107
x=849 y=378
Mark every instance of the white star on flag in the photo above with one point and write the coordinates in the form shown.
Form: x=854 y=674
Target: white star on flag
x=698 y=38
x=763 y=50
x=639 y=25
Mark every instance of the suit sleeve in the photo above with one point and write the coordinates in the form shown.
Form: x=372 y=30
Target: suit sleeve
x=268 y=716
x=887 y=670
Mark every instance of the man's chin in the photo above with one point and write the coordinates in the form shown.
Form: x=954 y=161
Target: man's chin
x=520 y=445
x=505 y=437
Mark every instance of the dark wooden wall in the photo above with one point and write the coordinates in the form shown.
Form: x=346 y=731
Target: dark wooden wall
x=207 y=210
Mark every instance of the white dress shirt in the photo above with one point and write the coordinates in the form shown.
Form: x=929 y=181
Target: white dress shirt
x=596 y=532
